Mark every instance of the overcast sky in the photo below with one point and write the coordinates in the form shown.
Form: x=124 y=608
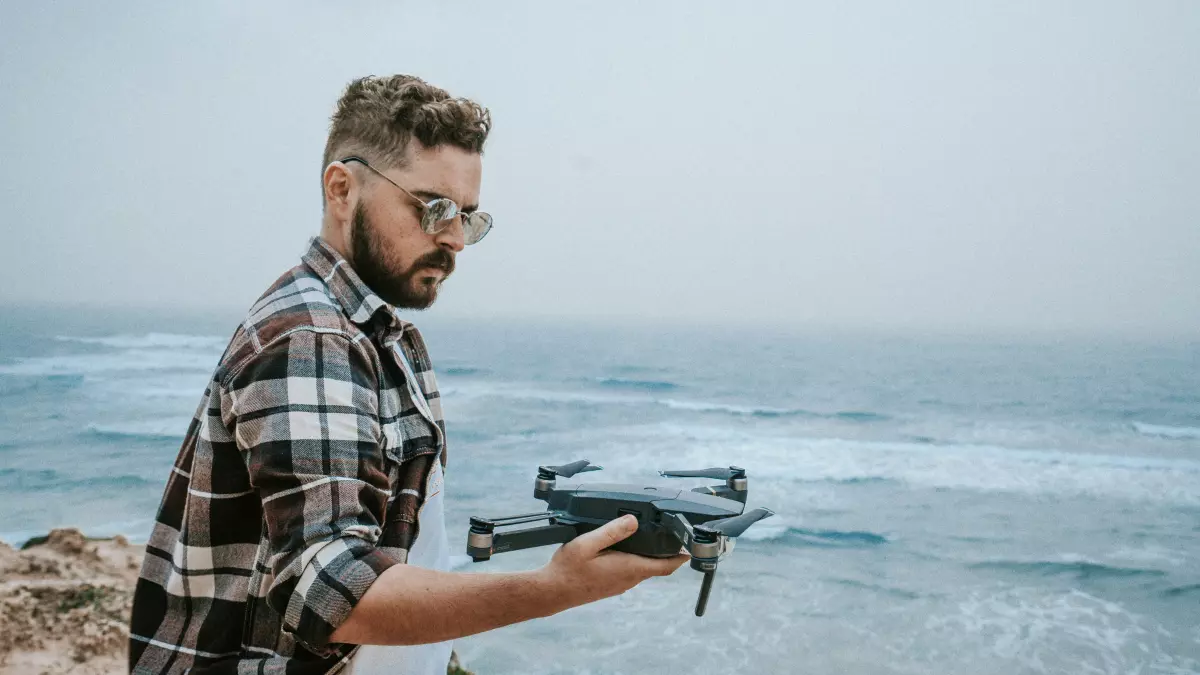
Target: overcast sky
x=963 y=166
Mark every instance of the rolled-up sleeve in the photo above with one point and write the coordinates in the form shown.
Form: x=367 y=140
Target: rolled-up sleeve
x=304 y=411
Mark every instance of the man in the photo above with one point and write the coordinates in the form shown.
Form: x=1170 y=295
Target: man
x=303 y=516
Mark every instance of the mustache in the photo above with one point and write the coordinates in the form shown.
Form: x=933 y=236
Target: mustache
x=440 y=259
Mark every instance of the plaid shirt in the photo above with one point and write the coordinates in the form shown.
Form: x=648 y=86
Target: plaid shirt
x=297 y=485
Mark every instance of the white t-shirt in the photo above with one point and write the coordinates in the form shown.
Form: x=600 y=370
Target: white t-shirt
x=431 y=550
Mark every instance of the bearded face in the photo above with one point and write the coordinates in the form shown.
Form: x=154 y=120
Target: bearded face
x=382 y=268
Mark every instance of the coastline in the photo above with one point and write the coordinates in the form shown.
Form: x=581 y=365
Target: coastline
x=64 y=604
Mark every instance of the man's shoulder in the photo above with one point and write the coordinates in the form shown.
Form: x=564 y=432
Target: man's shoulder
x=299 y=300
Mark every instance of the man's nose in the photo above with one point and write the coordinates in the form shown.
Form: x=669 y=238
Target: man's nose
x=451 y=237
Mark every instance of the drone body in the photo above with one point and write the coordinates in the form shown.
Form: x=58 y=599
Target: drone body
x=701 y=520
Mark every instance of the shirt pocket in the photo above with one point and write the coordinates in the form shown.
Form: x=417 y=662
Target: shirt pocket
x=407 y=436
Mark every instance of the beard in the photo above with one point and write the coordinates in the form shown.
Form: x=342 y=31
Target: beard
x=376 y=264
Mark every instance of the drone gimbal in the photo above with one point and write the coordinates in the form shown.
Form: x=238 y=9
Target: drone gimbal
x=702 y=520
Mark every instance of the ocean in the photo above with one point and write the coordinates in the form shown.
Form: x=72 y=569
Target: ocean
x=944 y=505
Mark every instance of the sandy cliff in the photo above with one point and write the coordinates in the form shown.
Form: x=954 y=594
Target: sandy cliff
x=64 y=605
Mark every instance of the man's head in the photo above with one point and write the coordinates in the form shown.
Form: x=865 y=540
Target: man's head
x=411 y=143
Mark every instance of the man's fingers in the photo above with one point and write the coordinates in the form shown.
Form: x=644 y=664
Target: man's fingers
x=606 y=535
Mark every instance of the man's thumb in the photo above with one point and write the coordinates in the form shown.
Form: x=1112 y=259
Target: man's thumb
x=608 y=534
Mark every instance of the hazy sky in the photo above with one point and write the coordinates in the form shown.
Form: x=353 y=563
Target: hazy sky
x=964 y=166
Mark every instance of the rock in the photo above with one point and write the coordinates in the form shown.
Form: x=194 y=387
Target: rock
x=71 y=542
x=64 y=604
x=65 y=601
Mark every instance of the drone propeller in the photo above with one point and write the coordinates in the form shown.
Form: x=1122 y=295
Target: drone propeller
x=717 y=472
x=568 y=470
x=735 y=526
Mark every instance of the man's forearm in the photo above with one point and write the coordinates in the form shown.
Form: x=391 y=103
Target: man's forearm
x=410 y=605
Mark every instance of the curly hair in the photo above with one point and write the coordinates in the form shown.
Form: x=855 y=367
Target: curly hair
x=376 y=117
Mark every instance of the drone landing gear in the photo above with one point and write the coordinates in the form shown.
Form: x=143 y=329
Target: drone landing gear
x=707 y=541
x=705 y=589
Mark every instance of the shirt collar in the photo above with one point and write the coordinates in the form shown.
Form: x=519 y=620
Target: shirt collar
x=346 y=288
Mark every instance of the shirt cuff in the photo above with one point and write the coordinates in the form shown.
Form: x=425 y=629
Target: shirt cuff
x=334 y=578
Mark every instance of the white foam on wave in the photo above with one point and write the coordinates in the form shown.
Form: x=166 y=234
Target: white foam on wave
x=128 y=361
x=476 y=390
x=464 y=392
x=776 y=463
x=705 y=406
x=1164 y=431
x=167 y=427
x=154 y=385
x=127 y=354
x=152 y=341
x=1039 y=631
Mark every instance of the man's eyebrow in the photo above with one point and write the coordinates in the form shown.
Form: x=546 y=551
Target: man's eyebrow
x=430 y=194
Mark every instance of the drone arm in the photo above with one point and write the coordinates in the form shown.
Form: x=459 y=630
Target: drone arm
x=680 y=527
x=483 y=539
x=533 y=537
x=518 y=520
x=723 y=491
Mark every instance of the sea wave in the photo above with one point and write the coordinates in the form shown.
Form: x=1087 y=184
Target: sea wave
x=580 y=397
x=860 y=480
x=1178 y=591
x=463 y=371
x=777 y=463
x=630 y=383
x=835 y=538
x=125 y=354
x=18 y=479
x=151 y=341
x=860 y=416
x=468 y=391
x=1164 y=431
x=876 y=588
x=171 y=428
x=731 y=409
x=12 y=477
x=1080 y=569
x=128 y=361
x=13 y=385
x=1036 y=630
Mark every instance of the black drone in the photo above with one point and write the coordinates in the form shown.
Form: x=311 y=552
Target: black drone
x=703 y=520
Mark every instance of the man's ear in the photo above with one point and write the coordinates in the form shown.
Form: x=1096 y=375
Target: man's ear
x=341 y=191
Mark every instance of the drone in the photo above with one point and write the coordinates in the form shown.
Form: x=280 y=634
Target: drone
x=703 y=520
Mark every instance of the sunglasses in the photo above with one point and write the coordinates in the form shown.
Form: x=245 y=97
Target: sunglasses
x=437 y=213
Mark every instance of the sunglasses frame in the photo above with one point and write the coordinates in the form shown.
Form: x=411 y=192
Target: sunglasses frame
x=429 y=223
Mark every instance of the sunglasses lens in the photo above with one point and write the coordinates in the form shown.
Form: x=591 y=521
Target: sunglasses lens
x=476 y=226
x=437 y=212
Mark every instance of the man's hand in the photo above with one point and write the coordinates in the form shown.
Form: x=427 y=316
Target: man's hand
x=411 y=606
x=582 y=571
